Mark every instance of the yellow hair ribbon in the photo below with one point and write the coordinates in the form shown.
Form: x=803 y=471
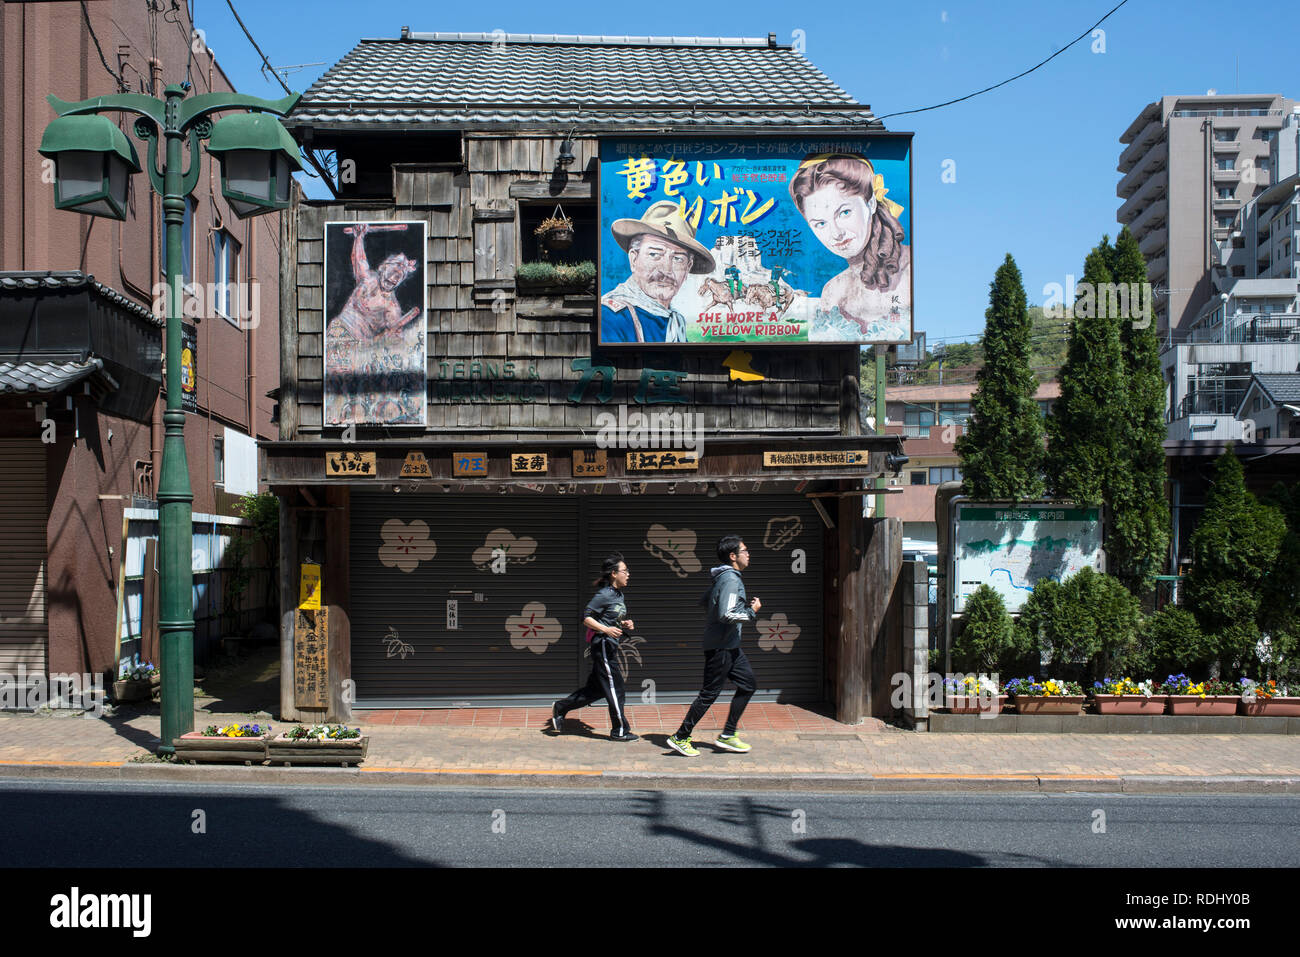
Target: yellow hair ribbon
x=879 y=191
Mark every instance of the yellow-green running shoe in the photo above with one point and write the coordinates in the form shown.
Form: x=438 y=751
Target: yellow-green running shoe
x=682 y=746
x=732 y=743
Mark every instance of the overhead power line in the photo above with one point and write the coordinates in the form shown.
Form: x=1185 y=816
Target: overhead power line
x=278 y=79
x=121 y=83
x=1085 y=33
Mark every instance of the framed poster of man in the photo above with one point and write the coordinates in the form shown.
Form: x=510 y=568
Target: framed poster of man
x=375 y=333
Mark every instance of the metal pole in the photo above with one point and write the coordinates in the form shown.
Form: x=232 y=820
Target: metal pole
x=175 y=531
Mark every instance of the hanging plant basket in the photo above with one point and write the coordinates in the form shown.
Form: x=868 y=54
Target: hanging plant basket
x=556 y=230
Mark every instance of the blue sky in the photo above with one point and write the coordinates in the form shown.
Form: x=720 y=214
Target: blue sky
x=1034 y=161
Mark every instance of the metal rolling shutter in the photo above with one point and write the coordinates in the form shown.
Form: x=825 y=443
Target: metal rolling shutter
x=23 y=624
x=664 y=606
x=479 y=662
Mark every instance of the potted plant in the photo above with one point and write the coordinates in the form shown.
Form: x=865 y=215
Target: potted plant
x=319 y=744
x=973 y=694
x=1126 y=696
x=1268 y=699
x=1049 y=696
x=135 y=683
x=238 y=743
x=557 y=277
x=1210 y=697
x=556 y=230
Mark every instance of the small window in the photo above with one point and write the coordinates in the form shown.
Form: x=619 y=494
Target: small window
x=1225 y=192
x=1223 y=221
x=1264 y=434
x=918 y=478
x=944 y=474
x=1225 y=162
x=219 y=460
x=225 y=276
x=917 y=421
x=1225 y=135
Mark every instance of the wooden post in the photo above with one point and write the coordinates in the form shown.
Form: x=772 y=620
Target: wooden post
x=882 y=617
x=338 y=597
x=288 y=604
x=289 y=324
x=852 y=701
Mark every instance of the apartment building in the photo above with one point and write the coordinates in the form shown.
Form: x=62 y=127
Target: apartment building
x=1189 y=164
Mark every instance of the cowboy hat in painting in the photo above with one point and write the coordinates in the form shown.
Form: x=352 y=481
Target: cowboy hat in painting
x=664 y=219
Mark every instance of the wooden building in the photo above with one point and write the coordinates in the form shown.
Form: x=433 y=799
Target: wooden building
x=451 y=558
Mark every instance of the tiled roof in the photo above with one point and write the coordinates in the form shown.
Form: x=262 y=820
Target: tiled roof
x=477 y=80
x=31 y=280
x=50 y=376
x=1280 y=386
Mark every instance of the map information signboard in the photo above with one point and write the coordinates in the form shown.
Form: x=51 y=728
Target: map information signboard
x=1010 y=548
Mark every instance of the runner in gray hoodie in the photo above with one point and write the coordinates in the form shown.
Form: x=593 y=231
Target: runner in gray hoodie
x=726 y=610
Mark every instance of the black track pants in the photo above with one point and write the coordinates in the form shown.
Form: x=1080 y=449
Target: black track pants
x=605 y=681
x=721 y=665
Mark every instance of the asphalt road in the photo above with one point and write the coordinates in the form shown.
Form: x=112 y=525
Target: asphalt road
x=187 y=825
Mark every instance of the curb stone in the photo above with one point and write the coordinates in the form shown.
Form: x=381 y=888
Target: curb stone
x=648 y=780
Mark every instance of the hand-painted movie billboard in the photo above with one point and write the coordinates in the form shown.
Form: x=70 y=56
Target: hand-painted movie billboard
x=375 y=346
x=760 y=241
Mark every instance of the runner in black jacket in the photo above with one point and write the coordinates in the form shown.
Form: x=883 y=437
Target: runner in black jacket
x=727 y=608
x=606 y=619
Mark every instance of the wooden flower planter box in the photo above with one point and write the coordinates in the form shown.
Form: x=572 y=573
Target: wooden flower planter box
x=196 y=746
x=140 y=690
x=343 y=751
x=1130 y=703
x=1220 y=704
x=1049 y=704
x=1272 y=707
x=974 y=704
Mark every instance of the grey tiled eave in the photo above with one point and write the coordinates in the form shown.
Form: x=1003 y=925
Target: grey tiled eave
x=50 y=376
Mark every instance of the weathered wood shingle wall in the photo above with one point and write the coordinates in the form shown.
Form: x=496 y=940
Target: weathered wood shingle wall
x=478 y=321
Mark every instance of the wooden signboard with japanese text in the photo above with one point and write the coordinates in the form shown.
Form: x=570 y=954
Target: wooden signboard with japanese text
x=661 y=461
x=811 y=459
x=311 y=658
x=589 y=463
x=350 y=463
x=528 y=463
x=469 y=463
x=416 y=466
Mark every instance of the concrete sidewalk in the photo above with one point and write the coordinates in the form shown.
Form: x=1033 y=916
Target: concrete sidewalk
x=793 y=749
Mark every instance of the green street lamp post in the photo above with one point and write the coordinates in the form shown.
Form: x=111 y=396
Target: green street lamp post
x=94 y=161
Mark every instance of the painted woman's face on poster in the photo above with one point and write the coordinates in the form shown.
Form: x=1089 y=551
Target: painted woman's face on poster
x=789 y=241
x=375 y=348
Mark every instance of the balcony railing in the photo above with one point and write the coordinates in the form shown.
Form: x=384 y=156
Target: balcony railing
x=1226 y=113
x=1215 y=397
x=1245 y=328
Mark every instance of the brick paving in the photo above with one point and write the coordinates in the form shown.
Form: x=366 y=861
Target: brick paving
x=786 y=741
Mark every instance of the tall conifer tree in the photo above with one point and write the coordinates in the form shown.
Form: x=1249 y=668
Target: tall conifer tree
x=1085 y=425
x=1138 y=540
x=1002 y=449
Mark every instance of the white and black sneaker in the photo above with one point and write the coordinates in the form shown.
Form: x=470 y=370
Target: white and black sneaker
x=557 y=718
